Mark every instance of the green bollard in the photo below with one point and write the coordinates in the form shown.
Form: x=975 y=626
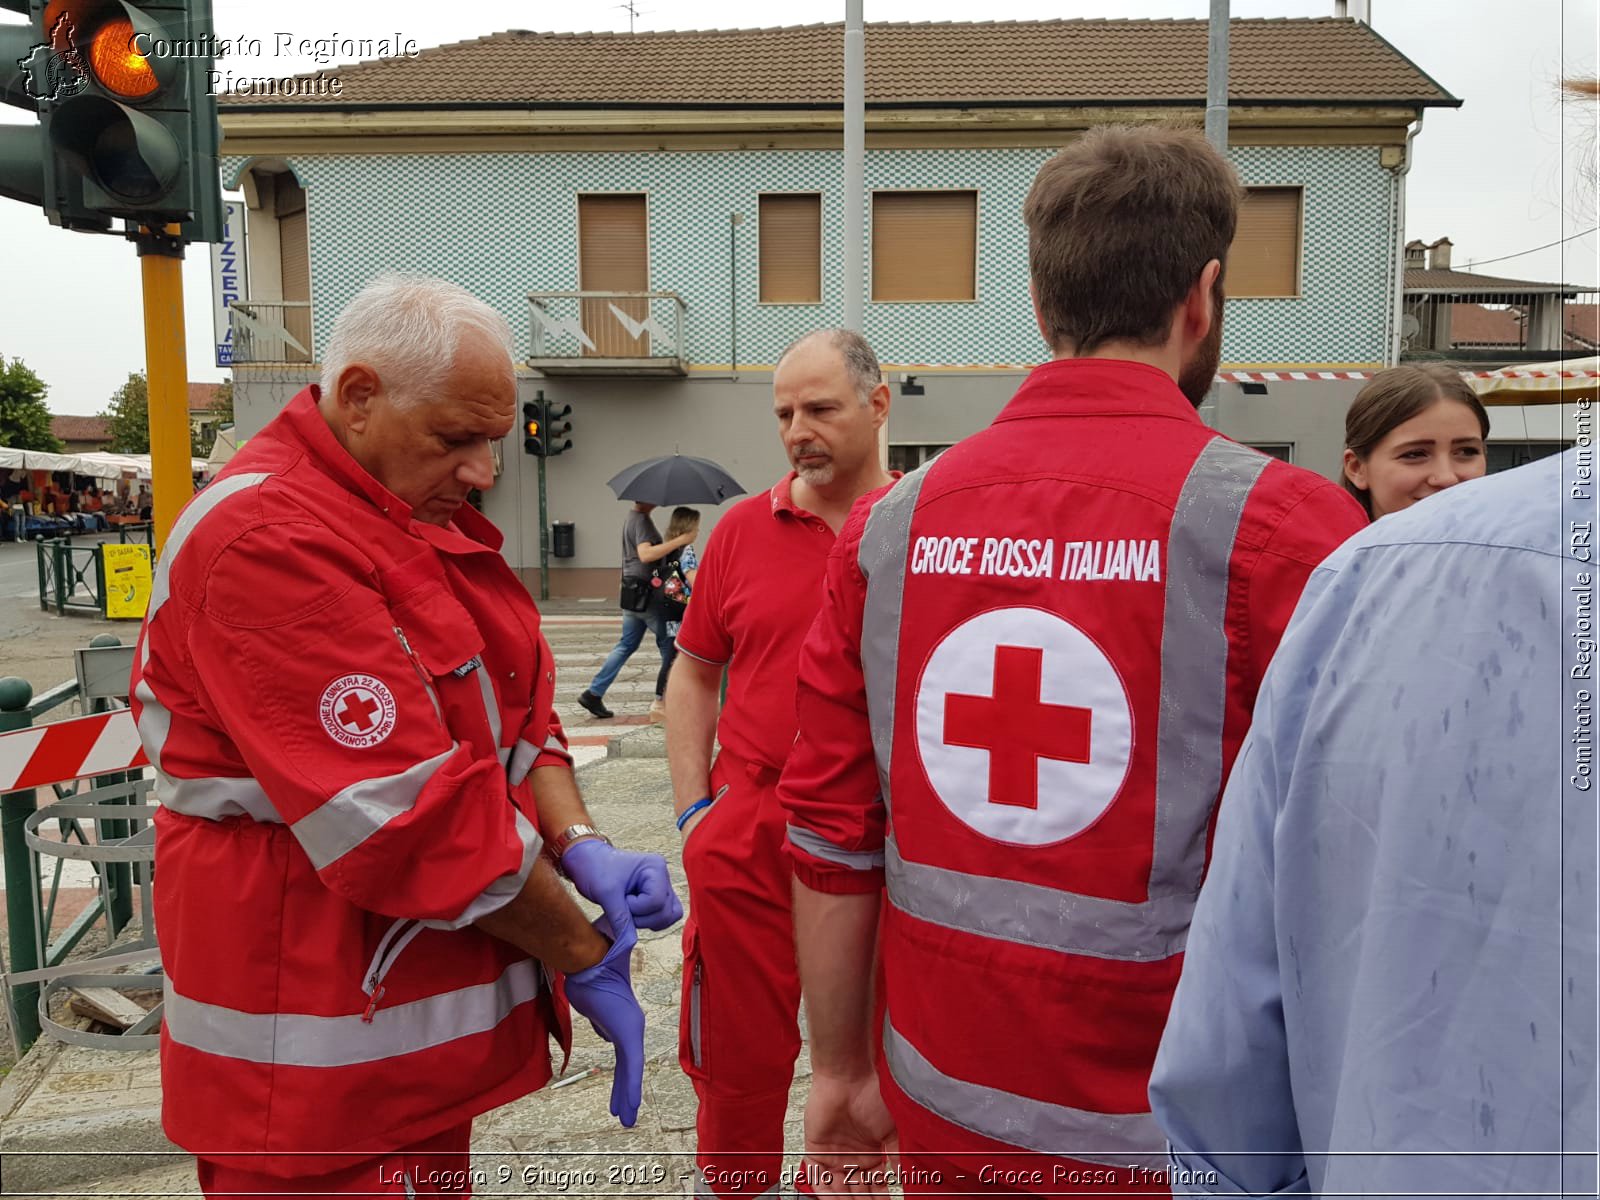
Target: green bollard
x=119 y=876
x=15 y=808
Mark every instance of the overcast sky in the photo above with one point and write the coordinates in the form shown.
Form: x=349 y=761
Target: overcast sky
x=1499 y=176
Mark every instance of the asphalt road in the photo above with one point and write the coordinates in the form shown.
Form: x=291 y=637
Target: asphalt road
x=19 y=565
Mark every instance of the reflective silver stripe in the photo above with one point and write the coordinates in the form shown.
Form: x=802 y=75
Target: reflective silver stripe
x=1194 y=684
x=215 y=799
x=820 y=847
x=302 y=1040
x=1030 y=914
x=885 y=543
x=1204 y=528
x=155 y=722
x=196 y=511
x=523 y=756
x=350 y=817
x=1110 y=1139
x=503 y=890
x=491 y=706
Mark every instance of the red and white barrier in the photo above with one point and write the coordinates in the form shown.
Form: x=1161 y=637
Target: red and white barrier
x=65 y=750
x=1505 y=373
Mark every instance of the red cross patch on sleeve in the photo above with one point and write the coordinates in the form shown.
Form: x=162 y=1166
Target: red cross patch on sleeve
x=358 y=711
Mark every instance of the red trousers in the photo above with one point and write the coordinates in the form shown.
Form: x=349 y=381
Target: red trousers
x=739 y=1031
x=439 y=1166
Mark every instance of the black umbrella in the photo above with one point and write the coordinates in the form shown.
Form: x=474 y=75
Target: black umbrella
x=675 y=479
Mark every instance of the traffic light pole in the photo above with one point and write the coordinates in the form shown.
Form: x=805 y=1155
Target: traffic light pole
x=544 y=539
x=172 y=477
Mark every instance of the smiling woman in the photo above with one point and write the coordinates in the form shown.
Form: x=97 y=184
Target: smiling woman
x=1411 y=432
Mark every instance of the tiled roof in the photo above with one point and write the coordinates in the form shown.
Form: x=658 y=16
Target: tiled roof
x=80 y=429
x=201 y=395
x=1468 y=283
x=1293 y=61
x=1582 y=325
x=1475 y=325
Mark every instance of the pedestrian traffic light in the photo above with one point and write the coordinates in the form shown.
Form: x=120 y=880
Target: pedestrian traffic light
x=127 y=125
x=533 y=429
x=556 y=428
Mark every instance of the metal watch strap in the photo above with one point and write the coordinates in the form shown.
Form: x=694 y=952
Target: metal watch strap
x=571 y=834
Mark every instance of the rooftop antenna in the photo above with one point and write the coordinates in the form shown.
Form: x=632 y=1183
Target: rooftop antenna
x=633 y=10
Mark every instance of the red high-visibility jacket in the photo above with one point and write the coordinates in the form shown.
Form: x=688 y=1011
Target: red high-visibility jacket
x=342 y=708
x=1035 y=662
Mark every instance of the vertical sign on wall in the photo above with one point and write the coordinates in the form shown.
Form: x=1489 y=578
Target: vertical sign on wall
x=227 y=277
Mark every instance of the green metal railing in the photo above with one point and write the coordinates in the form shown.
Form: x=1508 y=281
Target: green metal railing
x=72 y=576
x=29 y=911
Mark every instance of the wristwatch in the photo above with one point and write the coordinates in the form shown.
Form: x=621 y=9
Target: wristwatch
x=571 y=834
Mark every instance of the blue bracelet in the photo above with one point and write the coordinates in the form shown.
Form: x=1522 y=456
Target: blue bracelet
x=683 y=817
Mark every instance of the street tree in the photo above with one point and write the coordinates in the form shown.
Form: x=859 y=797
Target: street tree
x=24 y=419
x=128 y=417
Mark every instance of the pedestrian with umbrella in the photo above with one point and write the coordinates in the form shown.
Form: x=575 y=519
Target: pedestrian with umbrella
x=670 y=479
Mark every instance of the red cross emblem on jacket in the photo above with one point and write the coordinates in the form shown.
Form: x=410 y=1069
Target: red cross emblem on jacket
x=1023 y=726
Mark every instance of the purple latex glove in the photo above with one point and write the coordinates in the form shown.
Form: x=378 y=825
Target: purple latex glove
x=604 y=994
x=630 y=888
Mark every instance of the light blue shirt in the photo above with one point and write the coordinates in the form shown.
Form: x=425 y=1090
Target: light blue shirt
x=1390 y=980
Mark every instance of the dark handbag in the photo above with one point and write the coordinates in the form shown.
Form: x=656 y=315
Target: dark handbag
x=668 y=576
x=635 y=595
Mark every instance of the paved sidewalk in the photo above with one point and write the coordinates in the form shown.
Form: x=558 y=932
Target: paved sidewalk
x=77 y=1122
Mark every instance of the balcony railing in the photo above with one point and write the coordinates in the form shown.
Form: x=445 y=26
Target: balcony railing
x=271 y=331
x=1498 y=330
x=607 y=333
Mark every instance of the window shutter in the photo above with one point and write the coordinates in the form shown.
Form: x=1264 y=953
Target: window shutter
x=1264 y=259
x=613 y=256
x=612 y=250
x=924 y=245
x=791 y=249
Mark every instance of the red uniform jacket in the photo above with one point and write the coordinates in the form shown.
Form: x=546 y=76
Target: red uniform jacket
x=1035 y=662
x=342 y=708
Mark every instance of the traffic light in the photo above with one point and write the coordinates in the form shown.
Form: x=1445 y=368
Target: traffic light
x=533 y=429
x=127 y=126
x=556 y=428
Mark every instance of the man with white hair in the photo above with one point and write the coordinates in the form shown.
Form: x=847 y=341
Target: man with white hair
x=366 y=794
x=758 y=588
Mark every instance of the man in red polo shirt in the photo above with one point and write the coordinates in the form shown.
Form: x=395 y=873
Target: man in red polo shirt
x=758 y=589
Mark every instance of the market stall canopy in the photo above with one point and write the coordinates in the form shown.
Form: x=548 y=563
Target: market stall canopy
x=1539 y=383
x=96 y=464
x=228 y=441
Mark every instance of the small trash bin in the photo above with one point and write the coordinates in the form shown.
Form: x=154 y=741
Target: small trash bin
x=563 y=539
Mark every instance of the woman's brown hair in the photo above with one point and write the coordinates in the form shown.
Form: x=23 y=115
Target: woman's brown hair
x=683 y=521
x=1393 y=397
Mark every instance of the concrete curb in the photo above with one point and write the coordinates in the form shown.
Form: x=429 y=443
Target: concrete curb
x=124 y=1140
x=643 y=741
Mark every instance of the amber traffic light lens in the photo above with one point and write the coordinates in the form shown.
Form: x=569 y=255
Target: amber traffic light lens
x=117 y=65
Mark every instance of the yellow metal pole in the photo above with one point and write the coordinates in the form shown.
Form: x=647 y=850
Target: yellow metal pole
x=167 y=373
